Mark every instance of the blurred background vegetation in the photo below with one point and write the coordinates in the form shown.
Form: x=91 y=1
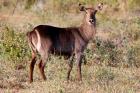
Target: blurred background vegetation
x=113 y=56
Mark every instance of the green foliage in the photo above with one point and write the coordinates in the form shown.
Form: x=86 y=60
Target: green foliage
x=107 y=52
x=13 y=46
x=117 y=55
x=134 y=4
x=104 y=75
x=29 y=3
x=131 y=56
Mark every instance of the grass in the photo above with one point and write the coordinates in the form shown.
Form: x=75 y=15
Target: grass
x=113 y=56
x=95 y=79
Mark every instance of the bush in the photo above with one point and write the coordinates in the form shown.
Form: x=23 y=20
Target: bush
x=13 y=46
x=113 y=55
x=104 y=76
x=107 y=52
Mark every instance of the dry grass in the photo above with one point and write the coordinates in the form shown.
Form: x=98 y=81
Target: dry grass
x=96 y=79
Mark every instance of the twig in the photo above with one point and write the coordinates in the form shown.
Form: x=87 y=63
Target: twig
x=14 y=8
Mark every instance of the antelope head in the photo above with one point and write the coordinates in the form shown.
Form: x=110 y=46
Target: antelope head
x=91 y=12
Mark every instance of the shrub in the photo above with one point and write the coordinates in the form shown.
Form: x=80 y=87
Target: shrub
x=13 y=46
x=107 y=52
x=104 y=76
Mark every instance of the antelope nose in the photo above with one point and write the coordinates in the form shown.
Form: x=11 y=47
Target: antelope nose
x=91 y=20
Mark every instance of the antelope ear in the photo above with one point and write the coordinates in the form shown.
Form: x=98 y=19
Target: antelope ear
x=99 y=7
x=82 y=8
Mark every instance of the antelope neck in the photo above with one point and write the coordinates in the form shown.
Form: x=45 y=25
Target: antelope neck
x=87 y=30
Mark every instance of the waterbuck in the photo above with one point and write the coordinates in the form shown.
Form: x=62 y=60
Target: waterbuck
x=70 y=41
